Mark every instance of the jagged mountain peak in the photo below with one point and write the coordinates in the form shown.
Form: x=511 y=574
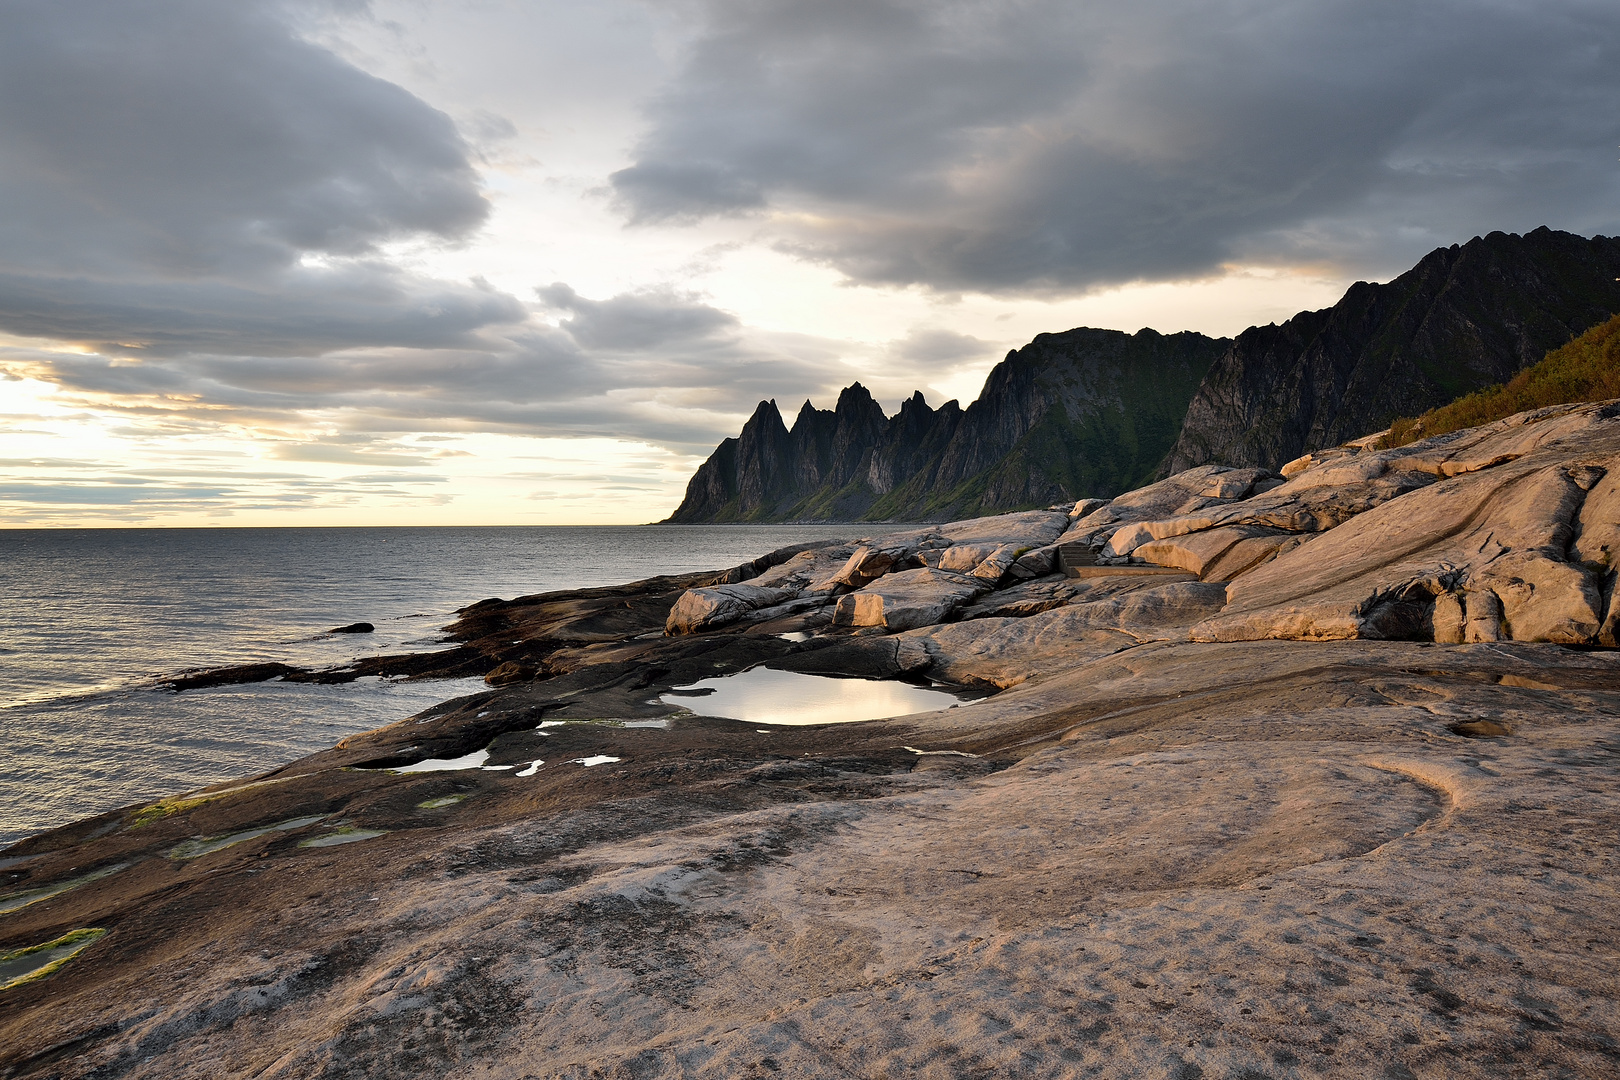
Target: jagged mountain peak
x=1093 y=412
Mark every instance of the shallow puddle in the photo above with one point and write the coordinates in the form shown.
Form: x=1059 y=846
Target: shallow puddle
x=765 y=696
x=191 y=849
x=38 y=961
x=474 y=760
x=19 y=900
x=442 y=801
x=532 y=769
x=595 y=759
x=343 y=836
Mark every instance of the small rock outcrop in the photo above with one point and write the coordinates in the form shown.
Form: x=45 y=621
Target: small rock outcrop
x=1505 y=532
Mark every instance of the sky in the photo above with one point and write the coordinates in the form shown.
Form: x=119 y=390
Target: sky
x=331 y=262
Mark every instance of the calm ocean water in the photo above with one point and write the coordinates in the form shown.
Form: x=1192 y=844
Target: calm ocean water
x=90 y=618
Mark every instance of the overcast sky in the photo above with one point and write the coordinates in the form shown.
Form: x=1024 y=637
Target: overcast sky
x=336 y=262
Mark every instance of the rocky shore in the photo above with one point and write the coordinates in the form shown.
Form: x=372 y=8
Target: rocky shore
x=1295 y=774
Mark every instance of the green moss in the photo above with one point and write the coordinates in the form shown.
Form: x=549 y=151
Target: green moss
x=42 y=961
x=165 y=807
x=179 y=804
x=1587 y=369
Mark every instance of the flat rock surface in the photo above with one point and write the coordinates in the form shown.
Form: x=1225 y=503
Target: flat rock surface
x=1272 y=857
x=1146 y=855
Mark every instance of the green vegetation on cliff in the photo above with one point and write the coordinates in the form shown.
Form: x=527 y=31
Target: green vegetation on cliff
x=1586 y=369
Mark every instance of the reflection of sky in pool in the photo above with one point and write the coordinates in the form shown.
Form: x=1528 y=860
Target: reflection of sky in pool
x=763 y=696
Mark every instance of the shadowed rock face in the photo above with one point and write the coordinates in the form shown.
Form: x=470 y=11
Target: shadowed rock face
x=1093 y=413
x=1081 y=413
x=1158 y=850
x=1465 y=317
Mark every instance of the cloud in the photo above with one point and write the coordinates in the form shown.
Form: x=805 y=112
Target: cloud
x=636 y=321
x=1044 y=145
x=654 y=365
x=187 y=176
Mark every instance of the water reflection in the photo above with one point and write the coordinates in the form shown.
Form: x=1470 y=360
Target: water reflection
x=764 y=696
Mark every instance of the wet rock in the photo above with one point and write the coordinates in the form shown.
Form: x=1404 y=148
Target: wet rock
x=353 y=628
x=511 y=672
x=230 y=676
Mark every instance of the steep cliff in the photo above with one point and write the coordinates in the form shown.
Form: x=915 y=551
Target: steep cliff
x=1081 y=413
x=1096 y=412
x=1465 y=317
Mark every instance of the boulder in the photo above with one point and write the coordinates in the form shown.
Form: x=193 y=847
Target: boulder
x=864 y=565
x=1035 y=563
x=1597 y=546
x=1007 y=651
x=1185 y=493
x=1197 y=552
x=908 y=599
x=1003 y=652
x=718 y=605
x=1021 y=601
x=1448 y=620
x=960 y=558
x=353 y=628
x=1482 y=616
x=995 y=566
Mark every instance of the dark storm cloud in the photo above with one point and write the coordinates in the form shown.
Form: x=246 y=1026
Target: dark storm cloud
x=186 y=175
x=1048 y=144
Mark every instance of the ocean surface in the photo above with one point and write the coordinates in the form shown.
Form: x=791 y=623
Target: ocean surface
x=91 y=619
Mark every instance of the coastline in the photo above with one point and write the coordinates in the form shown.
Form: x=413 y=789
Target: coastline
x=1154 y=850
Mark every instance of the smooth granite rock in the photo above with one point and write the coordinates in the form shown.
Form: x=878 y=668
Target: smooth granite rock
x=717 y=605
x=908 y=599
x=1501 y=530
x=1140 y=855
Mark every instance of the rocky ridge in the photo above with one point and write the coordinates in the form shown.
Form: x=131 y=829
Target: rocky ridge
x=1313 y=773
x=1465 y=317
x=1089 y=413
x=1080 y=410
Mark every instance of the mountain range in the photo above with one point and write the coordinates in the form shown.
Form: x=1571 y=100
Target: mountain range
x=1092 y=413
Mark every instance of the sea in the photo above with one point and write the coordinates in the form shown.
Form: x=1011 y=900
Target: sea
x=92 y=619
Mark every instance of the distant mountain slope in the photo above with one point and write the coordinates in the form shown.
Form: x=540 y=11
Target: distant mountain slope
x=1465 y=317
x=1097 y=412
x=1069 y=415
